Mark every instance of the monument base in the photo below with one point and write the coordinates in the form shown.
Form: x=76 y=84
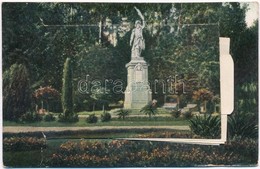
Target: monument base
x=138 y=92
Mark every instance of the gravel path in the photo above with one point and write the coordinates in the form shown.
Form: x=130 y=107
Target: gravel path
x=24 y=129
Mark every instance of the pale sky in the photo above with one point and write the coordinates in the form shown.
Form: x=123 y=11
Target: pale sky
x=252 y=14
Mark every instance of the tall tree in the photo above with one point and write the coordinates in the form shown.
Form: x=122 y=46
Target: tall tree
x=16 y=92
x=67 y=90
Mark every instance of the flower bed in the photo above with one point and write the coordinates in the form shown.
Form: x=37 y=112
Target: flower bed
x=23 y=143
x=123 y=153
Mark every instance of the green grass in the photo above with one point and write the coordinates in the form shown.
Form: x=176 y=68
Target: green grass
x=161 y=111
x=129 y=121
x=99 y=112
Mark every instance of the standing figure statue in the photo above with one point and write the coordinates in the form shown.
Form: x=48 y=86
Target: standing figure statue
x=137 y=40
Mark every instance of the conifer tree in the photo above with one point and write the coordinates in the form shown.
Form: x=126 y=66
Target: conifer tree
x=67 y=90
x=16 y=92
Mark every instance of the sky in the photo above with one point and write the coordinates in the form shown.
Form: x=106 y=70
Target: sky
x=252 y=14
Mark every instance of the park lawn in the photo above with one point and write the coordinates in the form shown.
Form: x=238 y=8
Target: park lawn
x=130 y=121
x=160 y=111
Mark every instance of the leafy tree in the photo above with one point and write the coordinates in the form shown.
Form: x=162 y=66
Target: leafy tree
x=202 y=96
x=16 y=92
x=45 y=94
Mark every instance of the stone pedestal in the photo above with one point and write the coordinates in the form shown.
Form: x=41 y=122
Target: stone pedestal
x=138 y=92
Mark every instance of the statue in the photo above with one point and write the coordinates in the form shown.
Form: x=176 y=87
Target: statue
x=137 y=40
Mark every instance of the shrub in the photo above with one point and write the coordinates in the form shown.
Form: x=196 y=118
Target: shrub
x=176 y=113
x=149 y=109
x=122 y=113
x=23 y=143
x=187 y=115
x=49 y=117
x=206 y=126
x=30 y=117
x=105 y=117
x=92 y=118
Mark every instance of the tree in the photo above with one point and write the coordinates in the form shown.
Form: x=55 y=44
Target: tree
x=67 y=92
x=16 y=92
x=181 y=38
x=45 y=94
x=202 y=96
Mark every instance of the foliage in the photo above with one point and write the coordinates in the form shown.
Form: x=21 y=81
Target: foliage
x=67 y=94
x=16 y=92
x=202 y=95
x=206 y=126
x=30 y=117
x=124 y=153
x=176 y=113
x=187 y=114
x=181 y=38
x=46 y=94
x=242 y=125
x=149 y=109
x=92 y=119
x=247 y=98
x=245 y=146
x=105 y=117
x=122 y=113
x=243 y=122
x=23 y=143
x=49 y=117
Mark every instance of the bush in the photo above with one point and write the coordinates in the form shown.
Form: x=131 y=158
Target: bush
x=23 y=143
x=187 y=115
x=149 y=109
x=206 y=126
x=176 y=113
x=92 y=118
x=122 y=113
x=105 y=117
x=30 y=117
x=49 y=117
x=71 y=119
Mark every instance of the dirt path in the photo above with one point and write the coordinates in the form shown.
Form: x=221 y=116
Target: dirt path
x=24 y=129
